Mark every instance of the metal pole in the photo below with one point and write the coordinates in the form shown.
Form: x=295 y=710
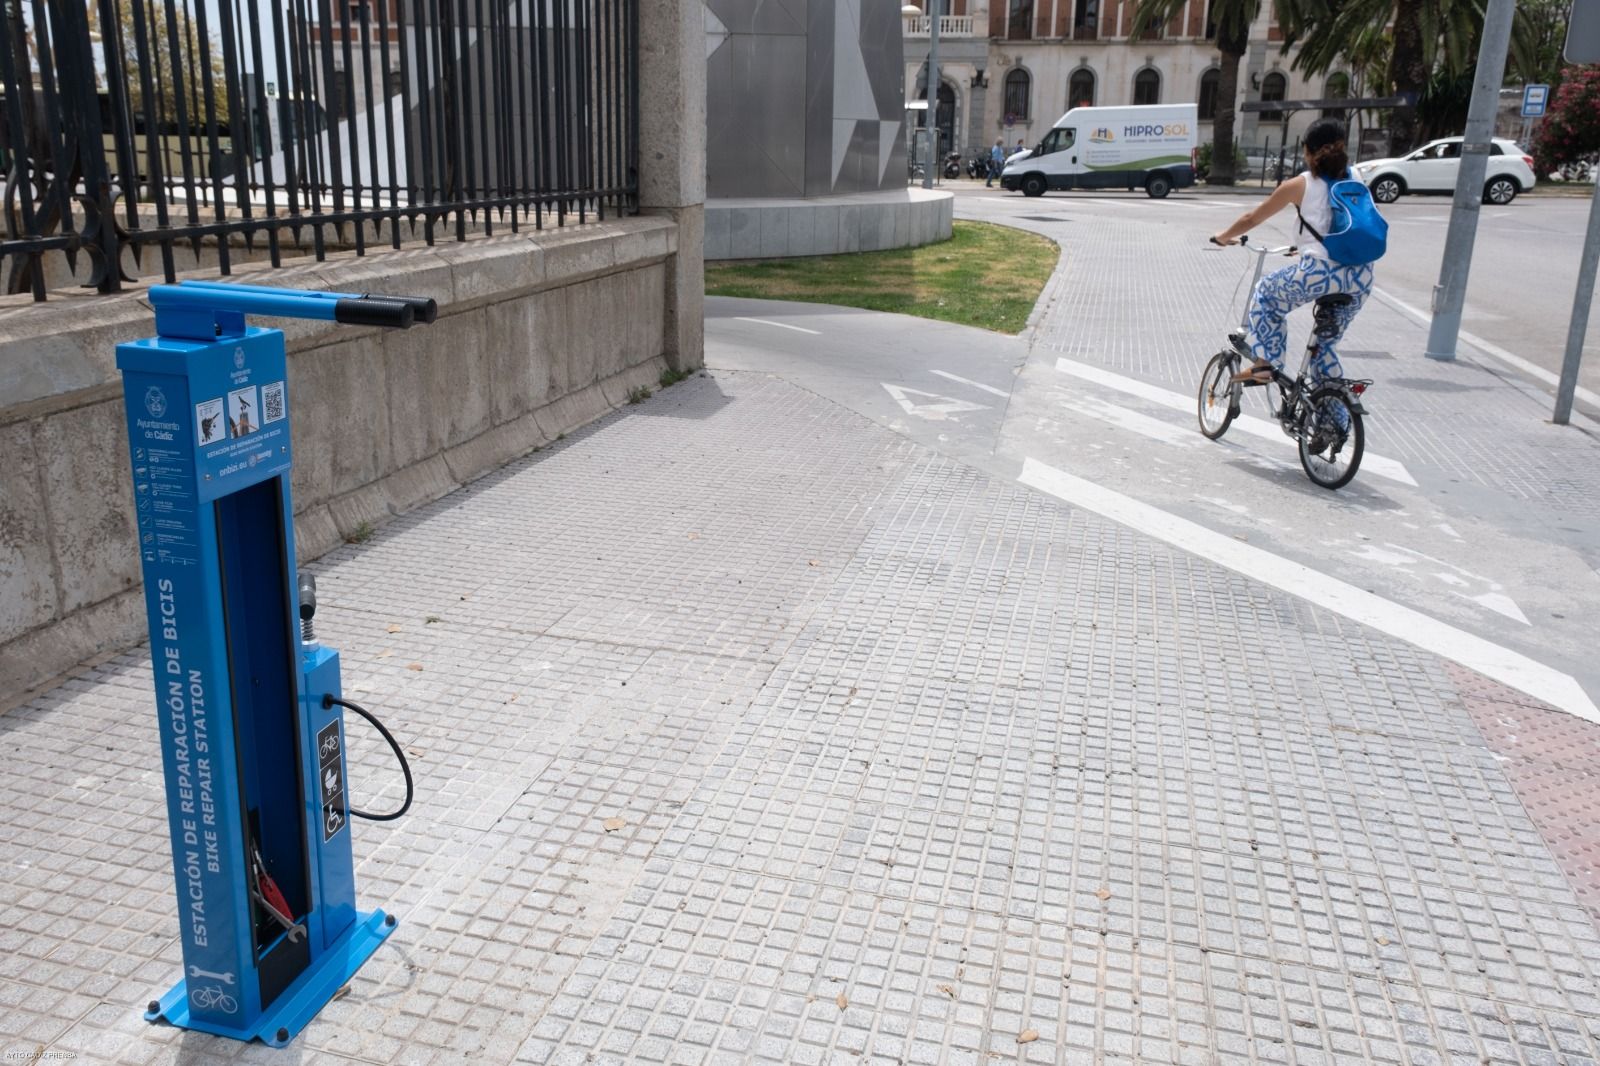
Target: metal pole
x=933 y=92
x=1450 y=293
x=1580 y=312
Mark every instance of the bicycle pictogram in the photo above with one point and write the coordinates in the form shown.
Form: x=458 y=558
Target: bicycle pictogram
x=213 y=998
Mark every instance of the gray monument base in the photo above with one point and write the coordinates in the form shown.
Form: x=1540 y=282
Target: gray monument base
x=825 y=225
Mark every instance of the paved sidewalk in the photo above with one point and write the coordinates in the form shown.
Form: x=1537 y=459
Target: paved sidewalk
x=750 y=731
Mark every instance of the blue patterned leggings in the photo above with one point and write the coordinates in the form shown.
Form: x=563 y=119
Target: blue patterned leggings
x=1283 y=290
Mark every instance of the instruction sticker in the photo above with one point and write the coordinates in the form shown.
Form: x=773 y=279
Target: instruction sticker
x=272 y=406
x=330 y=769
x=244 y=411
x=209 y=425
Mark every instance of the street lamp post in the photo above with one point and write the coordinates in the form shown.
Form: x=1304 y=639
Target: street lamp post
x=933 y=85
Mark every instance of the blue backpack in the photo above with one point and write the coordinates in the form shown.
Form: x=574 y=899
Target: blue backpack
x=1359 y=234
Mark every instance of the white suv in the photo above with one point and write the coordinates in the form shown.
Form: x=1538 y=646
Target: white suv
x=1433 y=167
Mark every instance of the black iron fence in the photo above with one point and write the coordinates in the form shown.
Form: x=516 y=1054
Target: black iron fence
x=131 y=129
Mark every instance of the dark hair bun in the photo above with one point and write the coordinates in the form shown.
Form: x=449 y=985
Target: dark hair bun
x=1325 y=144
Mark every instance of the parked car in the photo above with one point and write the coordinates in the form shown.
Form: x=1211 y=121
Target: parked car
x=1258 y=162
x=1433 y=168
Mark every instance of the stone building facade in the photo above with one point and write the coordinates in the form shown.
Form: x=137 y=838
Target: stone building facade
x=1010 y=68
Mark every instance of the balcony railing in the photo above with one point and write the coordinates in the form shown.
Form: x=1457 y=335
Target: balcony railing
x=949 y=26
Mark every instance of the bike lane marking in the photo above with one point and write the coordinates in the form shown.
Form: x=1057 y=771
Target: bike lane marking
x=780 y=325
x=1380 y=465
x=1502 y=664
x=1133 y=421
x=915 y=402
x=968 y=381
x=1493 y=351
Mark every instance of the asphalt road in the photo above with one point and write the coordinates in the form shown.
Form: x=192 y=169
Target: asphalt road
x=1521 y=288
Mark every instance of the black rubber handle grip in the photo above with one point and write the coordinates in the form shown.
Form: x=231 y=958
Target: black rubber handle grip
x=425 y=308
x=374 y=311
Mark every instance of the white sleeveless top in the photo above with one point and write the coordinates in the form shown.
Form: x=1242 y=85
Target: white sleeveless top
x=1316 y=210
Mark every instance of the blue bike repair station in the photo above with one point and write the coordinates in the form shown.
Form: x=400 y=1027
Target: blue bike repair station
x=249 y=705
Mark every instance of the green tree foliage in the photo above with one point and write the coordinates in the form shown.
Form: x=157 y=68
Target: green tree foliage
x=1571 y=129
x=1232 y=19
x=1539 y=33
x=177 y=58
x=1426 y=48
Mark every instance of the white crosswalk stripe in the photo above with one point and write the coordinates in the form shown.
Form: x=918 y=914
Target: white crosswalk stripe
x=1378 y=465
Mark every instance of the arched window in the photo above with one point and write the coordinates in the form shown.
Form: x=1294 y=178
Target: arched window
x=1147 y=87
x=1080 y=88
x=1208 y=94
x=1018 y=85
x=1337 y=88
x=1273 y=87
x=944 y=116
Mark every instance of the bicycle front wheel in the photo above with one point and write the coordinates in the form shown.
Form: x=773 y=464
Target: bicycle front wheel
x=1331 y=438
x=1219 y=397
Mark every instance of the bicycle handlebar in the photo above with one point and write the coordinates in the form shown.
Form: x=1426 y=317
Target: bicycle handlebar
x=1244 y=242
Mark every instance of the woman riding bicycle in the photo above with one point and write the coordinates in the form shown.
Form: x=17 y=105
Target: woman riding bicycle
x=1315 y=274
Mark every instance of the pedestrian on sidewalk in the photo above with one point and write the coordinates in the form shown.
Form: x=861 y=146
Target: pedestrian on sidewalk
x=997 y=162
x=1020 y=147
x=1315 y=273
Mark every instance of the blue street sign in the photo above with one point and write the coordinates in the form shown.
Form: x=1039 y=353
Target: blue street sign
x=1535 y=98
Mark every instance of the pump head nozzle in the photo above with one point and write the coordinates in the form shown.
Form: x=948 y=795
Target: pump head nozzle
x=308 y=607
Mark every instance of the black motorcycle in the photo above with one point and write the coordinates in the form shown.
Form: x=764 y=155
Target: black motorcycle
x=978 y=166
x=952 y=165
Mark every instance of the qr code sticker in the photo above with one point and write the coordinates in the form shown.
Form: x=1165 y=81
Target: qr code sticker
x=272 y=407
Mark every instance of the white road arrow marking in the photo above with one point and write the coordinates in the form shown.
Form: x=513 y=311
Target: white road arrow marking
x=937 y=411
x=1504 y=665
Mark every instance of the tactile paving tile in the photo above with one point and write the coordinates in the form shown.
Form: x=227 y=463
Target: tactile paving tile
x=1553 y=762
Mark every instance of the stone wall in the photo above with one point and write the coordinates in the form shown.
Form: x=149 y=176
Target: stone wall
x=537 y=334
x=829 y=225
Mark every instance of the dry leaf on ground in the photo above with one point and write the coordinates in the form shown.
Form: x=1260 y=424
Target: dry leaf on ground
x=843 y=1003
x=1103 y=893
x=392 y=628
x=414 y=666
x=947 y=990
x=1027 y=1036
x=613 y=824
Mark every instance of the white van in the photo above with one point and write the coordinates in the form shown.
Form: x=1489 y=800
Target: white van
x=1148 y=147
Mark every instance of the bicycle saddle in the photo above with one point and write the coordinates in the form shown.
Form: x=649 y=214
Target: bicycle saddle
x=1326 y=324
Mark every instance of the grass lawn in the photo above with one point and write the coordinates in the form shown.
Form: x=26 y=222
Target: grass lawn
x=984 y=275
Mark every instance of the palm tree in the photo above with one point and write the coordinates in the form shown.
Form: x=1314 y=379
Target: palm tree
x=1430 y=45
x=1232 y=19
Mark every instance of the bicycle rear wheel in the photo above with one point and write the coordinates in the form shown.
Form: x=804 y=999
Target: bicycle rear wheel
x=1219 y=397
x=1331 y=439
